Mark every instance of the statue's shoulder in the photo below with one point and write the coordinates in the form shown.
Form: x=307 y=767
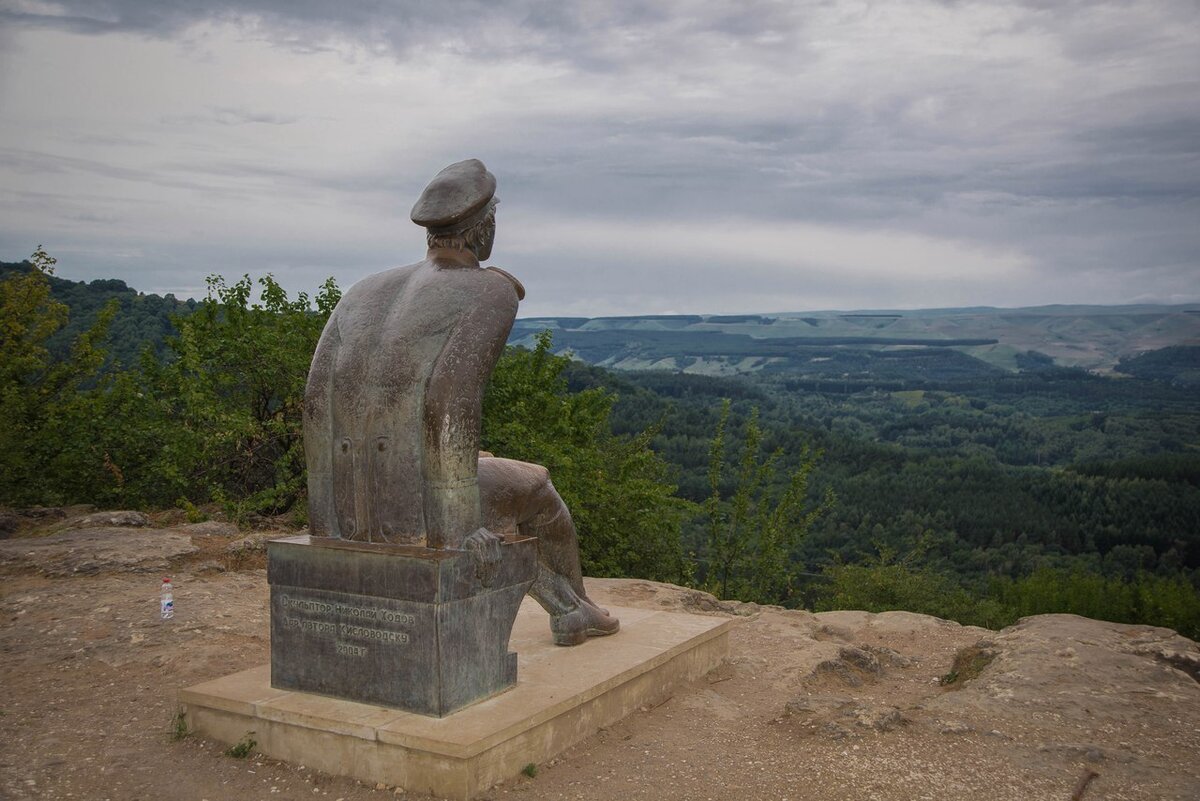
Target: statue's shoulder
x=512 y=279
x=372 y=288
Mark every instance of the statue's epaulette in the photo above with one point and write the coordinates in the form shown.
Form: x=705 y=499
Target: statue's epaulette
x=520 y=287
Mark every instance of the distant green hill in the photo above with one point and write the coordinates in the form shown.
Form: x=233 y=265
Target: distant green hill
x=142 y=320
x=942 y=343
x=1179 y=364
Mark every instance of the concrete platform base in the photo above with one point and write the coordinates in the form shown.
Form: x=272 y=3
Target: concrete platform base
x=562 y=696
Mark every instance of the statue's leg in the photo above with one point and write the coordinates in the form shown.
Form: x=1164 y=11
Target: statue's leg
x=521 y=493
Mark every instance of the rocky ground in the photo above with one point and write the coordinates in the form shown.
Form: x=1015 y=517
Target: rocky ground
x=839 y=705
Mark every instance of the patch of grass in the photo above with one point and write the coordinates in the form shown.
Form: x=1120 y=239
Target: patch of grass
x=530 y=770
x=969 y=662
x=193 y=514
x=179 y=726
x=243 y=747
x=910 y=397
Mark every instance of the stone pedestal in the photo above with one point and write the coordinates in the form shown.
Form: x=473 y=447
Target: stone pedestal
x=397 y=626
x=563 y=696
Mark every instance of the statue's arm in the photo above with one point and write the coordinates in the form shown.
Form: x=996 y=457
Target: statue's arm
x=318 y=433
x=453 y=407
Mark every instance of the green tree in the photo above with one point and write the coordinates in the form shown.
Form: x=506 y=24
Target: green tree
x=228 y=400
x=753 y=531
x=51 y=442
x=618 y=489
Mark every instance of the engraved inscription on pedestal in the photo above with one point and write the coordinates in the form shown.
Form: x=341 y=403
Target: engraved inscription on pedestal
x=390 y=625
x=372 y=639
x=327 y=618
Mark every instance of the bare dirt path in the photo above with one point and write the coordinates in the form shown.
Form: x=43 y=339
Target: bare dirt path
x=834 y=706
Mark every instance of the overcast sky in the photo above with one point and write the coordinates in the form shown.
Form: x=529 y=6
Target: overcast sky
x=674 y=156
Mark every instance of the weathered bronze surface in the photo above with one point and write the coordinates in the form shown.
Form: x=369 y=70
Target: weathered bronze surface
x=519 y=499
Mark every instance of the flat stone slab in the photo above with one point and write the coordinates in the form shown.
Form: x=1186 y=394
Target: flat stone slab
x=562 y=696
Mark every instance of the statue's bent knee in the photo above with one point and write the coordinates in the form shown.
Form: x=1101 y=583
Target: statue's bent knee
x=520 y=497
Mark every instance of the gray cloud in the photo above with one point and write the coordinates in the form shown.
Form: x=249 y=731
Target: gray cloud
x=1066 y=133
x=231 y=116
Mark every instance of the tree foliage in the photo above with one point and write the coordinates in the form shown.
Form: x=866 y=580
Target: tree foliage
x=51 y=440
x=215 y=418
x=753 y=530
x=142 y=319
x=228 y=402
x=885 y=584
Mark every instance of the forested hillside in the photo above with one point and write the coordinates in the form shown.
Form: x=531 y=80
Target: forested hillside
x=143 y=320
x=1058 y=474
x=918 y=478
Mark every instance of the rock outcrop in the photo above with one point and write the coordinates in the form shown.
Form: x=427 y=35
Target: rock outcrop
x=1037 y=708
x=836 y=706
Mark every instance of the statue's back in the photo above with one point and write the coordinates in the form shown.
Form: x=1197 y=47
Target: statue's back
x=388 y=360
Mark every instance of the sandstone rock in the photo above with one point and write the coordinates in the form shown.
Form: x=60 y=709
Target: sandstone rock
x=1179 y=657
x=954 y=727
x=119 y=519
x=851 y=665
x=254 y=542
x=889 y=657
x=655 y=594
x=209 y=528
x=877 y=717
x=91 y=550
x=834 y=714
x=1068 y=683
x=45 y=512
x=813 y=706
x=698 y=601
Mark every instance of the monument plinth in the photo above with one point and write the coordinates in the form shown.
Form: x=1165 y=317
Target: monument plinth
x=401 y=626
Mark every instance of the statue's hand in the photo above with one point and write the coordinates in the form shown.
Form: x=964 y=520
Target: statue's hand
x=484 y=547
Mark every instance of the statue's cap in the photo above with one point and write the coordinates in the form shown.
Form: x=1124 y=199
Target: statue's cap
x=455 y=198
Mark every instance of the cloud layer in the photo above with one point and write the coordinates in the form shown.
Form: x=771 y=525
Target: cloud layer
x=665 y=156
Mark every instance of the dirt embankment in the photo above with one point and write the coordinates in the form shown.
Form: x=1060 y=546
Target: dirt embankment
x=839 y=705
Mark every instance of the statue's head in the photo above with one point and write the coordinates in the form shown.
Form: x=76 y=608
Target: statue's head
x=458 y=209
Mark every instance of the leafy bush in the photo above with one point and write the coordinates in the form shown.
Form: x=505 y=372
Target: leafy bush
x=52 y=440
x=885 y=586
x=243 y=747
x=228 y=402
x=1172 y=602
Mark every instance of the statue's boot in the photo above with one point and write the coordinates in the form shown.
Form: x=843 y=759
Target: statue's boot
x=573 y=618
x=586 y=621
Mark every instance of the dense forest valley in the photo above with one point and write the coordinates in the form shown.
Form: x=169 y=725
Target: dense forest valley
x=846 y=474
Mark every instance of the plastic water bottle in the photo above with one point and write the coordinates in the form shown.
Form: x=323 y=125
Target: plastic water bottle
x=167 y=599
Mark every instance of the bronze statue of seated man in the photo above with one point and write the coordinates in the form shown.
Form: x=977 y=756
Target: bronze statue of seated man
x=393 y=406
